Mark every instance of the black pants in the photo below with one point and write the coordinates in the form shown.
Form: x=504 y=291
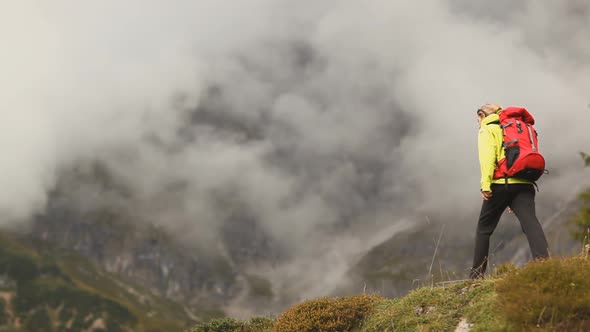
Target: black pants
x=521 y=198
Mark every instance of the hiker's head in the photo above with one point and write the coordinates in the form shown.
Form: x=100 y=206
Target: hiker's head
x=486 y=110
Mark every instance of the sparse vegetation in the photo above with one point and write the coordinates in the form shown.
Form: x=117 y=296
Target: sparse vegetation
x=428 y=308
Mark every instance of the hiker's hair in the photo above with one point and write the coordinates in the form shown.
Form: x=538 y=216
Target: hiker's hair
x=490 y=109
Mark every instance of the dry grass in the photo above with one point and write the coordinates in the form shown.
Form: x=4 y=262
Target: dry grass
x=549 y=295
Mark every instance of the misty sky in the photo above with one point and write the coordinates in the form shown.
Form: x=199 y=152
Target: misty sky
x=302 y=116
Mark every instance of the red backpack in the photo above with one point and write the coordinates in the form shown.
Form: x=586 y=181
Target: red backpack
x=523 y=159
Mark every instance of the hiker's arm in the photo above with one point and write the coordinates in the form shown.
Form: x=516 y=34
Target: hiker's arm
x=487 y=157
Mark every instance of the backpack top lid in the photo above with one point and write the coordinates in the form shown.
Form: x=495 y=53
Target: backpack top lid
x=517 y=113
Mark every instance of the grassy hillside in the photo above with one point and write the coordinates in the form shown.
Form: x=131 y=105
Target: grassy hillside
x=43 y=289
x=552 y=295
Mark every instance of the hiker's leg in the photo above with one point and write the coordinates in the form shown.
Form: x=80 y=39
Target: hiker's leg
x=523 y=205
x=491 y=211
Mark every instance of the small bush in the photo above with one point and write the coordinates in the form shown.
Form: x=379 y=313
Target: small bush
x=327 y=314
x=554 y=294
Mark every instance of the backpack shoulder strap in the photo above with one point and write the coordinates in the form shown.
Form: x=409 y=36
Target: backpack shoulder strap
x=495 y=122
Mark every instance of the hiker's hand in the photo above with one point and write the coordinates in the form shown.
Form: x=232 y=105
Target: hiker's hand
x=486 y=195
x=510 y=210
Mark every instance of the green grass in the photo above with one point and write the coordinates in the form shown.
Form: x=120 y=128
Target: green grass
x=483 y=310
x=426 y=309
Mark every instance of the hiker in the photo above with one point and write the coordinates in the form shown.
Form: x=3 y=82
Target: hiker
x=499 y=190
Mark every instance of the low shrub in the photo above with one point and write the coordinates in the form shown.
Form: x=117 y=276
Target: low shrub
x=327 y=314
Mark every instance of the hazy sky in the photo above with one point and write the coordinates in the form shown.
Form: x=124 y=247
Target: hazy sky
x=299 y=115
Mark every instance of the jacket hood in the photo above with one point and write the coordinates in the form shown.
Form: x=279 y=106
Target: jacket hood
x=490 y=118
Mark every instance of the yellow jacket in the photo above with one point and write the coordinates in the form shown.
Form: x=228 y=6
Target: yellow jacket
x=489 y=143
